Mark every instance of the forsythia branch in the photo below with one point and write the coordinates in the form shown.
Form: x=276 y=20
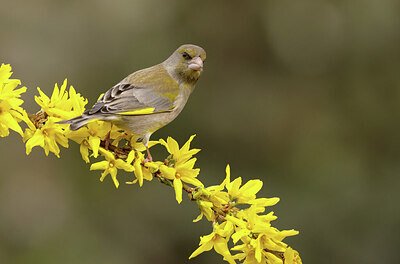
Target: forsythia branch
x=238 y=217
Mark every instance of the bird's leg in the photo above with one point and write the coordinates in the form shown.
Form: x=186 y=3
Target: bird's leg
x=145 y=142
x=107 y=140
x=149 y=157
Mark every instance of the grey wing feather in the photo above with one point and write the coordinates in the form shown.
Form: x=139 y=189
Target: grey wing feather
x=125 y=97
x=152 y=99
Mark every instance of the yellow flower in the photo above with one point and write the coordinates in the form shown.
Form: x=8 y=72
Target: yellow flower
x=179 y=155
x=182 y=172
x=48 y=133
x=90 y=136
x=60 y=105
x=111 y=166
x=218 y=240
x=10 y=111
x=244 y=194
x=259 y=237
x=47 y=137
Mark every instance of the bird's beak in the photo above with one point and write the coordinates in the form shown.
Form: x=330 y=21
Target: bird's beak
x=196 y=64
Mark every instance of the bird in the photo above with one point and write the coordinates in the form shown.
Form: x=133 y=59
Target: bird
x=148 y=99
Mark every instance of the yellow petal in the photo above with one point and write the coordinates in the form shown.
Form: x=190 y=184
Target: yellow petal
x=264 y=202
x=192 y=173
x=178 y=190
x=251 y=188
x=228 y=175
x=63 y=87
x=131 y=157
x=138 y=172
x=233 y=187
x=186 y=147
x=104 y=174
x=286 y=233
x=147 y=175
x=94 y=143
x=198 y=218
x=132 y=182
x=113 y=172
x=120 y=164
x=221 y=247
x=173 y=146
x=192 y=181
x=101 y=165
x=56 y=92
x=204 y=247
x=84 y=152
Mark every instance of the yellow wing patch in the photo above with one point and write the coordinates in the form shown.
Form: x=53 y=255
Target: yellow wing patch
x=101 y=95
x=143 y=111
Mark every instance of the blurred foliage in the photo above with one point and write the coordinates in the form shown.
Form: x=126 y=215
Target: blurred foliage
x=307 y=91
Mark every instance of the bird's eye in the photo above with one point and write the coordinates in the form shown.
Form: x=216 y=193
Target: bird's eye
x=186 y=56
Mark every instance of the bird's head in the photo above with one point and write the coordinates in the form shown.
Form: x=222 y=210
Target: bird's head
x=187 y=62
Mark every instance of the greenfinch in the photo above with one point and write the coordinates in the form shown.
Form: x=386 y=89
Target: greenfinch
x=150 y=98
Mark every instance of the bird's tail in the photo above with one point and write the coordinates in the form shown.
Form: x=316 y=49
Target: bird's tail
x=77 y=122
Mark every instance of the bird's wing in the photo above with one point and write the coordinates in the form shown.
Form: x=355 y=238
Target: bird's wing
x=143 y=92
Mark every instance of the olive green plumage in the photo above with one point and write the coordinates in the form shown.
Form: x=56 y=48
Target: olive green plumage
x=148 y=99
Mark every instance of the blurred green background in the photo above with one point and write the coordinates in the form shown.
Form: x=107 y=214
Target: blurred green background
x=301 y=94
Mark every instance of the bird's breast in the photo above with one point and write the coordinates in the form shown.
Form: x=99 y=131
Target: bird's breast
x=181 y=100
